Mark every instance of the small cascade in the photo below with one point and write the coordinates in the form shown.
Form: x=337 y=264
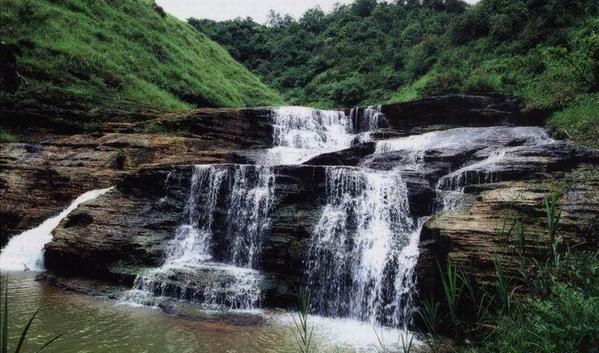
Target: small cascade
x=307 y=128
x=367 y=119
x=25 y=251
x=467 y=138
x=363 y=249
x=190 y=271
x=214 y=285
x=300 y=133
x=492 y=143
x=193 y=239
x=248 y=214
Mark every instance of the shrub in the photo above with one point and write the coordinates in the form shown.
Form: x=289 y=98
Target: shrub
x=566 y=321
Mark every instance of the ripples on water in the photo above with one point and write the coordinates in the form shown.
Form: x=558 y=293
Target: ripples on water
x=95 y=325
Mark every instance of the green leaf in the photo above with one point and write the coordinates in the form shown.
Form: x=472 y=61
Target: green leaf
x=24 y=333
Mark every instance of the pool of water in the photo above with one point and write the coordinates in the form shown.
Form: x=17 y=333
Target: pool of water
x=93 y=325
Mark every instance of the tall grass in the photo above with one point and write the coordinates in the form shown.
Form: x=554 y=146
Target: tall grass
x=553 y=216
x=452 y=290
x=503 y=288
x=558 y=314
x=302 y=331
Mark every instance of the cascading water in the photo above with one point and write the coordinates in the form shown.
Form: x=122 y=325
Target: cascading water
x=192 y=243
x=491 y=143
x=363 y=250
x=300 y=133
x=189 y=271
x=25 y=251
x=307 y=128
x=365 y=246
x=248 y=214
x=366 y=119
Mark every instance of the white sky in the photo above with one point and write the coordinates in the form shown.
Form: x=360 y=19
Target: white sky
x=257 y=9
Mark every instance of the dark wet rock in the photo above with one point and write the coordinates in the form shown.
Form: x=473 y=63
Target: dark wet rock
x=457 y=110
x=84 y=285
x=212 y=319
x=348 y=157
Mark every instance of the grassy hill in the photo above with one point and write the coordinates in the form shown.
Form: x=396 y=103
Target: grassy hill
x=118 y=54
x=370 y=52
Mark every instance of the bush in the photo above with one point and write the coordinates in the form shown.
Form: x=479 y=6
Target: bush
x=473 y=25
x=566 y=321
x=6 y=136
x=579 y=121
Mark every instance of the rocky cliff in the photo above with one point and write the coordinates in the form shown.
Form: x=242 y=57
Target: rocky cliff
x=451 y=144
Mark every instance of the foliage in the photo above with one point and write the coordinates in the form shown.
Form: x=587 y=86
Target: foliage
x=579 y=120
x=302 y=331
x=119 y=54
x=371 y=52
x=559 y=312
x=567 y=320
x=6 y=136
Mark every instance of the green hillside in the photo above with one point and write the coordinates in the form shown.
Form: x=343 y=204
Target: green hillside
x=369 y=52
x=119 y=54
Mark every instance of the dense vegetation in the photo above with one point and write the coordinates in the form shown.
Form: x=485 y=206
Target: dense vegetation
x=125 y=54
x=369 y=52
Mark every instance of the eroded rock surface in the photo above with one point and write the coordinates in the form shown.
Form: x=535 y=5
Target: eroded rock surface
x=39 y=178
x=458 y=155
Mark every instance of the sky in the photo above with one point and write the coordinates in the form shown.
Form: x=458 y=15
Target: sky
x=220 y=10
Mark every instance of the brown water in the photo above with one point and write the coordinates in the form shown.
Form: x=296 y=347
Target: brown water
x=96 y=325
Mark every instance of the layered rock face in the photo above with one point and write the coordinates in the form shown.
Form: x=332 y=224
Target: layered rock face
x=467 y=164
x=40 y=177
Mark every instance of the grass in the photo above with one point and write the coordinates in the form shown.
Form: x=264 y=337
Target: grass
x=302 y=330
x=124 y=54
x=567 y=320
x=578 y=121
x=559 y=311
x=6 y=136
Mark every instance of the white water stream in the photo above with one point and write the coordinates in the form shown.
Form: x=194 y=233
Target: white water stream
x=190 y=259
x=25 y=251
x=363 y=249
x=301 y=133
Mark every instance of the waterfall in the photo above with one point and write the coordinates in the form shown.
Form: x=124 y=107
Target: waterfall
x=300 y=133
x=367 y=119
x=466 y=138
x=307 y=128
x=492 y=143
x=363 y=249
x=26 y=250
x=192 y=242
x=189 y=271
x=248 y=214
